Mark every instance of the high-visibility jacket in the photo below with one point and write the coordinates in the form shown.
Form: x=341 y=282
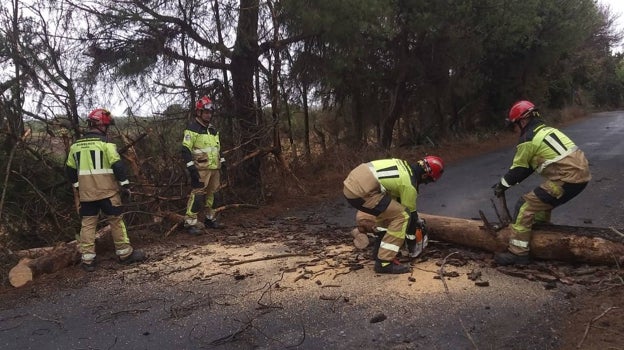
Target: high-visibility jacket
x=398 y=179
x=95 y=168
x=201 y=146
x=550 y=152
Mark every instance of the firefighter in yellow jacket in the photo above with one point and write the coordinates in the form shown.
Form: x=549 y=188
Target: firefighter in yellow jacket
x=96 y=171
x=201 y=152
x=553 y=155
x=387 y=189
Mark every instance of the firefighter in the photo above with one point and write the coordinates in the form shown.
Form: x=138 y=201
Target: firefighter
x=387 y=189
x=201 y=152
x=96 y=171
x=557 y=159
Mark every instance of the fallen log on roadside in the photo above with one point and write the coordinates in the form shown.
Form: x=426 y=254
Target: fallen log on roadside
x=599 y=246
x=50 y=260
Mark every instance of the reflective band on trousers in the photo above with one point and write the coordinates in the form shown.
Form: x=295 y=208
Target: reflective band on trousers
x=388 y=246
x=122 y=252
x=556 y=159
x=518 y=243
x=88 y=257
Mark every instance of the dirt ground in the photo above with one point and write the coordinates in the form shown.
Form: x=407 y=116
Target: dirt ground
x=290 y=259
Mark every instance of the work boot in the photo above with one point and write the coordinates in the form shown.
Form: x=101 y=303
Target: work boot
x=195 y=230
x=393 y=267
x=136 y=256
x=213 y=223
x=508 y=258
x=89 y=267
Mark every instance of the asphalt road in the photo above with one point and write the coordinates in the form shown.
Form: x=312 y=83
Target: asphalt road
x=167 y=304
x=466 y=187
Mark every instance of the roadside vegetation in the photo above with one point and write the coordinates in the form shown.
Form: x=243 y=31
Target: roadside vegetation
x=304 y=90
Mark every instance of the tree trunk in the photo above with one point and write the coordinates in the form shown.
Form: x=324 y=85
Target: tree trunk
x=51 y=260
x=243 y=65
x=600 y=246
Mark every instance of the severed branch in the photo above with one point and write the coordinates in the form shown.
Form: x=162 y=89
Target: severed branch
x=270 y=257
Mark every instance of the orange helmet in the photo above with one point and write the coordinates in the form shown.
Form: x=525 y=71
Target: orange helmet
x=434 y=167
x=204 y=103
x=100 y=116
x=520 y=110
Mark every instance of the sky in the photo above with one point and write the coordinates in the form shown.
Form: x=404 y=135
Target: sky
x=617 y=8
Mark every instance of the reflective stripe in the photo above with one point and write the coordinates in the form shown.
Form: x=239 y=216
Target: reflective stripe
x=504 y=182
x=122 y=252
x=556 y=159
x=125 y=182
x=75 y=184
x=410 y=237
x=205 y=150
x=372 y=169
x=518 y=243
x=97 y=159
x=95 y=172
x=88 y=257
x=389 y=246
x=190 y=163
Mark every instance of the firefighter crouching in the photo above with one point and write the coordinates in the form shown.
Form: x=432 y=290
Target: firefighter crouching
x=388 y=189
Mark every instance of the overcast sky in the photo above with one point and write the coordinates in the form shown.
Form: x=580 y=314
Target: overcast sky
x=617 y=8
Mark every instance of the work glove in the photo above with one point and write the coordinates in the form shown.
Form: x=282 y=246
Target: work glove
x=194 y=173
x=126 y=194
x=499 y=189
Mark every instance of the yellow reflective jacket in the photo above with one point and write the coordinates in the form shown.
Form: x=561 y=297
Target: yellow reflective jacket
x=201 y=146
x=396 y=178
x=95 y=168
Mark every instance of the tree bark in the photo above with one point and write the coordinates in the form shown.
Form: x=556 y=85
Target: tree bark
x=51 y=260
x=599 y=246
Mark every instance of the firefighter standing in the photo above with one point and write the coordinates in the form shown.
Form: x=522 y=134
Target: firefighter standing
x=387 y=189
x=201 y=152
x=556 y=158
x=96 y=171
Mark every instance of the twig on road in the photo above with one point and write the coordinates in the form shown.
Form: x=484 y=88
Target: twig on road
x=589 y=324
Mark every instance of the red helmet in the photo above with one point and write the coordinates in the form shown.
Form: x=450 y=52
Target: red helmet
x=204 y=103
x=434 y=167
x=519 y=110
x=100 y=116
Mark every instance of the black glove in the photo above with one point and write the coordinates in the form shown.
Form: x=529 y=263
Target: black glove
x=499 y=189
x=194 y=173
x=126 y=194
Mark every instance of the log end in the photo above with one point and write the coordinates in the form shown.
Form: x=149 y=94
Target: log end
x=21 y=273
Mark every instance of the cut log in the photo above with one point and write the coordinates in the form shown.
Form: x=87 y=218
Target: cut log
x=51 y=260
x=599 y=246
x=28 y=269
x=549 y=242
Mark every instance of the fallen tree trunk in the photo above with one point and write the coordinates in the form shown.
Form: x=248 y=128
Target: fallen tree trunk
x=50 y=260
x=599 y=246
